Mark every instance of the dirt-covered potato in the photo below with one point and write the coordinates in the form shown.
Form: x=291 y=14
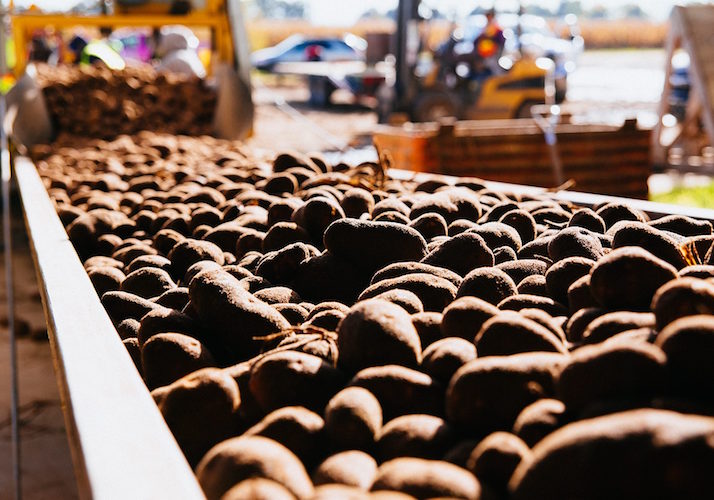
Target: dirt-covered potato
x=353 y=419
x=575 y=242
x=627 y=278
x=464 y=317
x=123 y=305
x=511 y=333
x=461 y=254
x=428 y=327
x=376 y=332
x=423 y=478
x=495 y=458
x=487 y=394
x=352 y=468
x=682 y=297
x=296 y=428
x=403 y=298
x=258 y=489
x=561 y=275
x=232 y=315
x=634 y=372
x=421 y=436
x=166 y=357
x=354 y=240
x=638 y=454
x=445 y=356
x=539 y=419
x=608 y=325
x=247 y=457
x=187 y=252
x=435 y=293
x=658 y=243
x=689 y=346
x=487 y=283
x=400 y=269
x=192 y=402
x=291 y=378
x=401 y=390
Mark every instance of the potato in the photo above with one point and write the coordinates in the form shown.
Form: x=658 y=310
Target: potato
x=392 y=216
x=291 y=378
x=247 y=457
x=564 y=273
x=496 y=457
x=351 y=468
x=199 y=267
x=682 y=297
x=421 y=436
x=357 y=201
x=376 y=332
x=166 y=357
x=464 y=316
x=147 y=282
x=232 y=316
x=658 y=243
x=166 y=321
x=555 y=325
x=538 y=248
x=504 y=254
x=132 y=347
x=587 y=219
x=510 y=333
x=428 y=327
x=316 y=215
x=638 y=454
x=629 y=372
x=575 y=242
x=699 y=271
x=200 y=410
x=283 y=234
x=683 y=225
x=128 y=329
x=328 y=320
x=497 y=234
x=610 y=324
x=281 y=266
x=106 y=279
x=487 y=283
x=523 y=301
x=637 y=275
x=401 y=390
x=452 y=203
x=189 y=251
x=580 y=295
x=353 y=240
x=434 y=293
x=423 y=478
x=277 y=295
x=430 y=225
x=461 y=254
x=534 y=284
x=340 y=492
x=487 y=394
x=539 y=419
x=328 y=278
x=520 y=269
x=522 y=222
x=296 y=428
x=689 y=345
x=445 y=356
x=166 y=239
x=612 y=213
x=353 y=419
x=399 y=269
x=403 y=298
x=123 y=305
x=258 y=489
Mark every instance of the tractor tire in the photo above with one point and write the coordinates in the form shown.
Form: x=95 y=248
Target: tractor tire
x=433 y=106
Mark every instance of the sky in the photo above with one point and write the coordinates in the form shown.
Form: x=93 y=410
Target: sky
x=346 y=12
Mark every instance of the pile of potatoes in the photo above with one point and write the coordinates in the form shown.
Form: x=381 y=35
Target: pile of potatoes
x=94 y=101
x=309 y=331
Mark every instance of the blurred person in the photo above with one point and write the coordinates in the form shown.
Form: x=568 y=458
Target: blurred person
x=488 y=47
x=178 y=52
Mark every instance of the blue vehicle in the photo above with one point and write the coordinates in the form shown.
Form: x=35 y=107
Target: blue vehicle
x=298 y=48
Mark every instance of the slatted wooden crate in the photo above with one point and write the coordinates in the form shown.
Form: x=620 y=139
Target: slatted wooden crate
x=599 y=158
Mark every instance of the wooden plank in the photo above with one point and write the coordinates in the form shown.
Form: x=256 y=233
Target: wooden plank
x=121 y=446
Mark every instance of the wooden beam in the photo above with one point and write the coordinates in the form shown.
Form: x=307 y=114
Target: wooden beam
x=121 y=446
